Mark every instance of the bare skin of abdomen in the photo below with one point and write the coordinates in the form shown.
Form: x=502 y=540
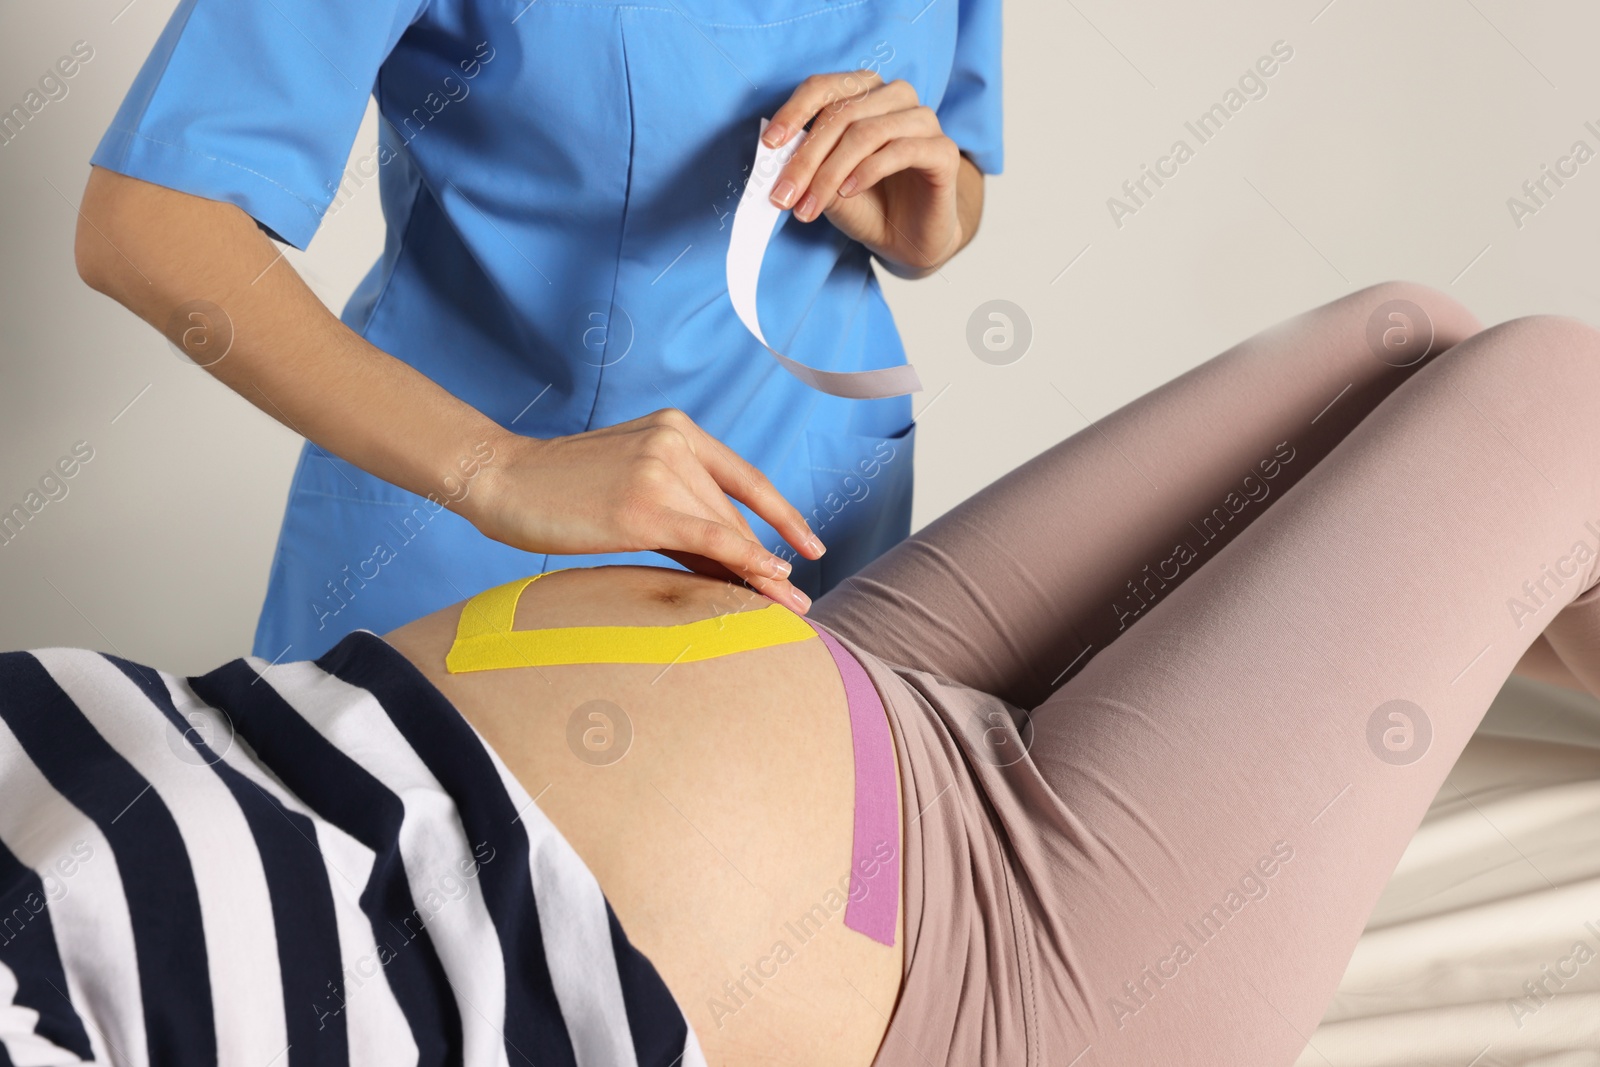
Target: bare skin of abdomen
x=721 y=832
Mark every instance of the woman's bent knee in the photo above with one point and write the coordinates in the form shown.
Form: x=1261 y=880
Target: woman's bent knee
x=1447 y=319
x=1529 y=383
x=1561 y=332
x=1559 y=350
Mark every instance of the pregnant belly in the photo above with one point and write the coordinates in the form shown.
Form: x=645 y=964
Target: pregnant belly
x=712 y=799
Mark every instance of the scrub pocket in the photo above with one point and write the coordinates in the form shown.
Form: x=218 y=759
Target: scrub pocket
x=861 y=497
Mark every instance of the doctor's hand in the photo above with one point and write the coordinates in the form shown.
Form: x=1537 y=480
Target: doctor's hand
x=877 y=163
x=658 y=483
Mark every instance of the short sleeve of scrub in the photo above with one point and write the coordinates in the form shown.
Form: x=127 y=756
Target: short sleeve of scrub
x=256 y=103
x=970 y=110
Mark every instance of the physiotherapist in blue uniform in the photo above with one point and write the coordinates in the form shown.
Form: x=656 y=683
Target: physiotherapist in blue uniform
x=558 y=180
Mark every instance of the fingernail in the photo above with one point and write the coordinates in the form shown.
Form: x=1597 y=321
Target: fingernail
x=807 y=208
x=777 y=568
x=776 y=132
x=848 y=186
x=801 y=601
x=783 y=193
x=816 y=546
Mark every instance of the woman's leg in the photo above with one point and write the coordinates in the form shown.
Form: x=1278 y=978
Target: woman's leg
x=1018 y=587
x=1232 y=781
x=1544 y=664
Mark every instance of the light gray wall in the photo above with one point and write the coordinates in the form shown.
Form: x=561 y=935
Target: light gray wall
x=1387 y=147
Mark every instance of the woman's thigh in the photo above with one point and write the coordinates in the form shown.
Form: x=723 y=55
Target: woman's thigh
x=1242 y=769
x=1019 y=586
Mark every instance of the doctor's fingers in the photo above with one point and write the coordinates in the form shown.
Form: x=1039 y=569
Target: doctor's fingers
x=875 y=149
x=686 y=526
x=817 y=92
x=708 y=494
x=733 y=476
x=728 y=539
x=667 y=470
x=677 y=507
x=737 y=477
x=829 y=125
x=674 y=441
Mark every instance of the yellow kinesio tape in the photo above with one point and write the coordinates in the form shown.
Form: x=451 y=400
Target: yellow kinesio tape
x=485 y=640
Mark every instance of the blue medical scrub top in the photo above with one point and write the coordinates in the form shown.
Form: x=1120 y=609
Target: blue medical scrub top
x=558 y=180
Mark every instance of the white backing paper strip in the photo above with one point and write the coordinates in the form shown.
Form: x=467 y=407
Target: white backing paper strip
x=754 y=223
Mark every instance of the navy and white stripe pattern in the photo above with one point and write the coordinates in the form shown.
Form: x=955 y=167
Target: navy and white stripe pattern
x=315 y=863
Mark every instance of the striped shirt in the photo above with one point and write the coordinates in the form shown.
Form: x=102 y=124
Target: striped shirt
x=310 y=863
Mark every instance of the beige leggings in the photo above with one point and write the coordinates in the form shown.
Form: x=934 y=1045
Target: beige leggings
x=1245 y=695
